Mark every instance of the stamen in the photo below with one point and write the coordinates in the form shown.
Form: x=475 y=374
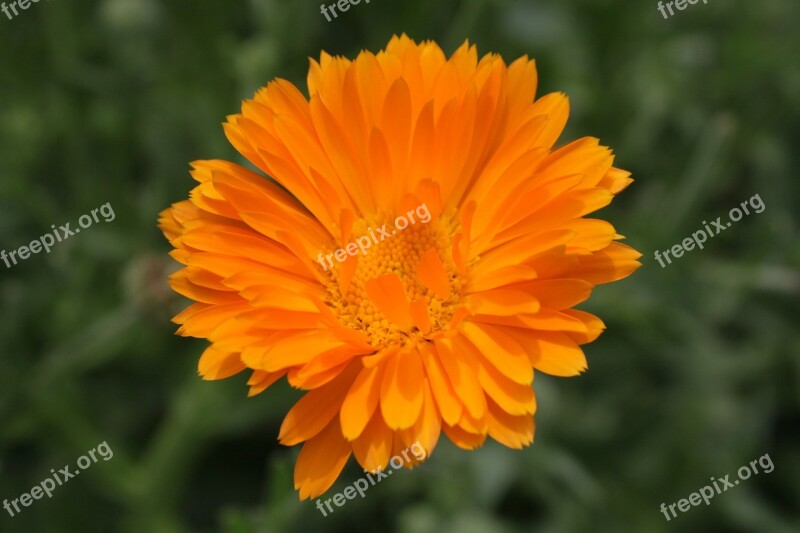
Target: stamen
x=399 y=254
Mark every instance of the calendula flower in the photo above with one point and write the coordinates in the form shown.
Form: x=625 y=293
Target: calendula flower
x=438 y=327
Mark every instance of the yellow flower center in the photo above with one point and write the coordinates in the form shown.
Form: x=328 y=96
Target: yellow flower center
x=399 y=252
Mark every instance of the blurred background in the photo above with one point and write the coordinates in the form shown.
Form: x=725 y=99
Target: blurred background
x=698 y=372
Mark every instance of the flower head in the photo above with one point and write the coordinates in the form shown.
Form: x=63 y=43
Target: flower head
x=437 y=326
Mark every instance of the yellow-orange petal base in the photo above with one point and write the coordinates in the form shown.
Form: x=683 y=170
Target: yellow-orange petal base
x=441 y=326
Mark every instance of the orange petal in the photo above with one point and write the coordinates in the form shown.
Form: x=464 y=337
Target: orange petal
x=616 y=180
x=518 y=251
x=218 y=364
x=433 y=275
x=422 y=146
x=186 y=288
x=501 y=350
x=203 y=322
x=556 y=107
x=361 y=401
x=346 y=218
x=315 y=410
x=261 y=381
x=549 y=320
x=462 y=377
x=449 y=404
x=502 y=302
x=373 y=447
x=396 y=123
x=468 y=423
x=279 y=298
x=594 y=325
x=324 y=367
x=553 y=353
x=281 y=319
x=609 y=264
x=298 y=349
x=380 y=357
x=429 y=193
x=465 y=219
x=380 y=163
x=458 y=315
x=321 y=461
x=401 y=390
x=425 y=431
x=509 y=430
x=512 y=397
x=558 y=293
x=499 y=278
x=387 y=293
x=464 y=439
x=348 y=272
x=419 y=314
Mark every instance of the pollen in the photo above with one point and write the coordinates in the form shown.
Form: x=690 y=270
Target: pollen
x=397 y=252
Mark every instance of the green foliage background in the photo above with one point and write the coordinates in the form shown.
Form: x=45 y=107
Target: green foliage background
x=698 y=373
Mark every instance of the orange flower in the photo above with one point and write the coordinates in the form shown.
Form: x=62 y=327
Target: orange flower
x=436 y=328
